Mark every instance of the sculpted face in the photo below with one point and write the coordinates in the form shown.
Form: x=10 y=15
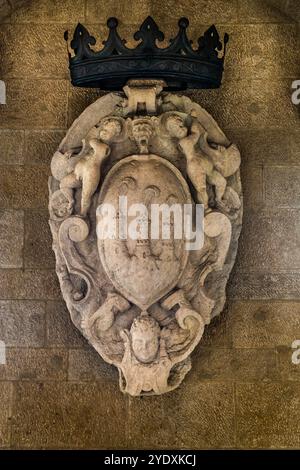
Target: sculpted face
x=176 y=128
x=142 y=132
x=145 y=341
x=109 y=129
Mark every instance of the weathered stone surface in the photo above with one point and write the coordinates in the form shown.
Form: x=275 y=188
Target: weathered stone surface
x=263 y=324
x=60 y=331
x=228 y=103
x=5 y=413
x=69 y=415
x=97 y=10
x=242 y=365
x=22 y=323
x=38 y=251
x=270 y=112
x=11 y=149
x=199 y=12
x=79 y=99
x=267 y=415
x=197 y=415
x=23 y=187
x=44 y=49
x=256 y=11
x=252 y=180
x=287 y=369
x=40 y=146
x=258 y=285
x=216 y=334
x=86 y=365
x=256 y=148
x=253 y=48
x=270 y=240
x=282 y=188
x=5 y=9
x=34 y=104
x=34 y=364
x=253 y=99
x=41 y=11
x=29 y=284
x=11 y=239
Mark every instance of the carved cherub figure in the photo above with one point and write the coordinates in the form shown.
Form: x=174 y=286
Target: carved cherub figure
x=87 y=173
x=204 y=163
x=146 y=364
x=110 y=128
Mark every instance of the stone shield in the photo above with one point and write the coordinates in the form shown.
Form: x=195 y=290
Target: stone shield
x=150 y=181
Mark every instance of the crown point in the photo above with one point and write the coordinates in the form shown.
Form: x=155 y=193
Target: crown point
x=183 y=22
x=112 y=22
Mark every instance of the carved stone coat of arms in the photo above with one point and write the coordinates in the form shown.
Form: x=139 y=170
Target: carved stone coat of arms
x=143 y=301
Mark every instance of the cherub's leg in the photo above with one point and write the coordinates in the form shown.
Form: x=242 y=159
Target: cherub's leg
x=199 y=182
x=219 y=182
x=70 y=182
x=89 y=186
x=113 y=304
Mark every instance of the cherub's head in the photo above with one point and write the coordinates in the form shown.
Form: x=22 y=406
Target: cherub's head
x=176 y=127
x=110 y=128
x=145 y=336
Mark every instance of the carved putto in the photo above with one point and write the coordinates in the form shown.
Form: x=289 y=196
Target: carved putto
x=143 y=302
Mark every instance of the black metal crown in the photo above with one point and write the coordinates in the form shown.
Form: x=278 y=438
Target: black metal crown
x=180 y=65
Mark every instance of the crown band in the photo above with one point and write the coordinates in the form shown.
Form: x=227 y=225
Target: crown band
x=179 y=64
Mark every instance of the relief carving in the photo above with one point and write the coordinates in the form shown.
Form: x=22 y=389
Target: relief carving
x=143 y=302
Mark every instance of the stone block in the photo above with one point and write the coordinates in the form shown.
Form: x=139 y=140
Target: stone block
x=5 y=413
x=259 y=286
x=252 y=48
x=24 y=187
x=11 y=239
x=268 y=415
x=269 y=241
x=78 y=100
x=22 y=323
x=271 y=106
x=41 y=145
x=266 y=147
x=197 y=415
x=282 y=187
x=69 y=415
x=44 y=49
x=87 y=365
x=38 y=242
x=34 y=364
x=11 y=150
x=29 y=284
x=39 y=104
x=98 y=11
x=60 y=330
x=287 y=369
x=199 y=12
x=216 y=334
x=252 y=184
x=264 y=324
x=43 y=11
x=241 y=365
x=256 y=11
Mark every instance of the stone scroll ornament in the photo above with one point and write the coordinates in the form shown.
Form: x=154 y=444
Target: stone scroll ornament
x=143 y=303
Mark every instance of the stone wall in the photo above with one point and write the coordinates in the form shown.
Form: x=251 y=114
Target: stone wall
x=243 y=390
